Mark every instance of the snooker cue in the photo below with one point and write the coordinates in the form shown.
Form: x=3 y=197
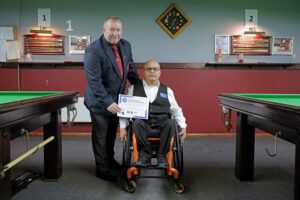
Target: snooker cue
x=23 y=156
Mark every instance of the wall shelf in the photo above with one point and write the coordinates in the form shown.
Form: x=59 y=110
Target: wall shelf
x=251 y=65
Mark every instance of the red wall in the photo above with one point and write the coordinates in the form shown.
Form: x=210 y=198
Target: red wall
x=53 y=79
x=8 y=79
x=196 y=90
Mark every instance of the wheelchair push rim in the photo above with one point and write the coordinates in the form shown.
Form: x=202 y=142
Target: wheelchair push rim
x=178 y=153
x=126 y=158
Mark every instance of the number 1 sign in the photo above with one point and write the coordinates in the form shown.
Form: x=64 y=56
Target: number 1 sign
x=44 y=17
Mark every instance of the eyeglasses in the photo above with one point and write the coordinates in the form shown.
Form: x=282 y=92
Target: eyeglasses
x=155 y=69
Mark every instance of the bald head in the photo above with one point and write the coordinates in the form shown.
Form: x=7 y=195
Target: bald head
x=151 y=72
x=152 y=64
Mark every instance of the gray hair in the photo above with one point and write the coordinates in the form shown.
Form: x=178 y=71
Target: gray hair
x=113 y=18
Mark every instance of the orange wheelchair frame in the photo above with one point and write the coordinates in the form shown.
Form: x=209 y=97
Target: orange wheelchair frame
x=175 y=161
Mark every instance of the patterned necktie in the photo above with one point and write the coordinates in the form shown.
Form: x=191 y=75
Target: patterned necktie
x=118 y=59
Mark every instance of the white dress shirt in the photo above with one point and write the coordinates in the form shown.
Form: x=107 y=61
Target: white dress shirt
x=151 y=93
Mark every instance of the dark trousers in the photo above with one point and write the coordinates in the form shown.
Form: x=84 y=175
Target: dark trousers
x=104 y=130
x=142 y=131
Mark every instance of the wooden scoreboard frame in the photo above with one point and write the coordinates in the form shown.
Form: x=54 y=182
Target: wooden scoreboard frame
x=44 y=44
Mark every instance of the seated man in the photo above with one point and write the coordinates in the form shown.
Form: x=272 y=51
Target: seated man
x=162 y=107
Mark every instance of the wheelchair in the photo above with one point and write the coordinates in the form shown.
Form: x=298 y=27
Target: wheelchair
x=130 y=157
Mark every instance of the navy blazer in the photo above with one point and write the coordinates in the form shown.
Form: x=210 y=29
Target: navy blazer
x=104 y=81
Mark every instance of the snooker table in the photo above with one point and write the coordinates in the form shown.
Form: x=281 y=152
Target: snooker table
x=31 y=110
x=272 y=113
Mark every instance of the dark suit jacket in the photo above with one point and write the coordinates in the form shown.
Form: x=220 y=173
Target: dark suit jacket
x=104 y=81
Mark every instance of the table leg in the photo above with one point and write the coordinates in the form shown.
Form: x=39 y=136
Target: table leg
x=297 y=170
x=5 y=184
x=53 y=150
x=244 y=163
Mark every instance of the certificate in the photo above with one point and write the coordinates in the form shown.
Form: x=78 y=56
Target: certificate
x=133 y=106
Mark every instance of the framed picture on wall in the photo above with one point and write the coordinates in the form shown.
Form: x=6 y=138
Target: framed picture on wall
x=283 y=45
x=78 y=44
x=222 y=42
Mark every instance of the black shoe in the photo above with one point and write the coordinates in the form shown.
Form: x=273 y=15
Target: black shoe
x=162 y=162
x=143 y=161
x=106 y=175
x=113 y=164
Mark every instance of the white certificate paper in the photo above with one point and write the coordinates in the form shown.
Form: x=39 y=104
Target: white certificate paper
x=133 y=106
x=6 y=33
x=12 y=50
x=2 y=50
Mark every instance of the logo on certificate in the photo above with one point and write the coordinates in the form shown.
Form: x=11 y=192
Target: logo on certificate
x=133 y=106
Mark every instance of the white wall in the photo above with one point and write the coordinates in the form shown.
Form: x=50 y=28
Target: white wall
x=194 y=44
x=83 y=114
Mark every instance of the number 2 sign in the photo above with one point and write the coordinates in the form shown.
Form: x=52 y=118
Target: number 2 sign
x=251 y=17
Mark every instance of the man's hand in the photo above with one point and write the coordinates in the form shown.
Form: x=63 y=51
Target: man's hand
x=123 y=134
x=183 y=134
x=114 y=108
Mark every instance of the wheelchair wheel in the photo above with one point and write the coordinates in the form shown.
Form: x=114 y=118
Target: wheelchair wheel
x=179 y=188
x=178 y=153
x=130 y=186
x=124 y=158
x=127 y=151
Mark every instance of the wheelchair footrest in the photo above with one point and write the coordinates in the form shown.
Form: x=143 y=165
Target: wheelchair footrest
x=152 y=176
x=151 y=167
x=175 y=172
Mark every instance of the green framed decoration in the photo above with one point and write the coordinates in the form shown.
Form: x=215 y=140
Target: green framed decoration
x=173 y=21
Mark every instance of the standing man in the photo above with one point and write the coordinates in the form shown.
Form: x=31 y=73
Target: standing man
x=108 y=64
